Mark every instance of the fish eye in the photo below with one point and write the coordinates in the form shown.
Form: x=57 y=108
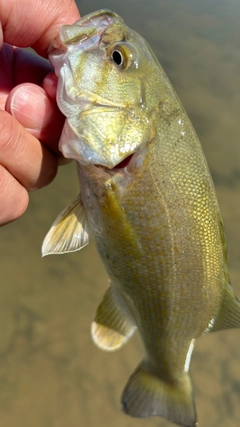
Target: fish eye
x=123 y=55
x=117 y=57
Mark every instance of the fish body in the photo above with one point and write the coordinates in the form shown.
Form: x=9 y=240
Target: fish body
x=148 y=198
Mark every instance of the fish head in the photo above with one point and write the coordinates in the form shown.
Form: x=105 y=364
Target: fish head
x=105 y=89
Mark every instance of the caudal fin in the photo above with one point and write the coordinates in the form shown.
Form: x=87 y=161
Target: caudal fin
x=146 y=395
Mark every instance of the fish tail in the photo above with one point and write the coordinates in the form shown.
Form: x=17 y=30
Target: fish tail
x=146 y=395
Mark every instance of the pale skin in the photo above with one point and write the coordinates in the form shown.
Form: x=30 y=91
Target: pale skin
x=30 y=121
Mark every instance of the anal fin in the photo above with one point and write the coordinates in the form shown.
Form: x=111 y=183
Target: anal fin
x=112 y=325
x=229 y=313
x=147 y=395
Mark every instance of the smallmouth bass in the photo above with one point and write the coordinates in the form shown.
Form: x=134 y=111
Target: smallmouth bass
x=148 y=198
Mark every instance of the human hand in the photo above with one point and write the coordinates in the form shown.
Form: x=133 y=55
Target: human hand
x=30 y=121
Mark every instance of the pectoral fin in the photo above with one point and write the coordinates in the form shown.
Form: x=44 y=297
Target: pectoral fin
x=112 y=325
x=229 y=313
x=69 y=232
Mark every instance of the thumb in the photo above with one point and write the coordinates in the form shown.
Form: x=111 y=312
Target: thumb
x=30 y=105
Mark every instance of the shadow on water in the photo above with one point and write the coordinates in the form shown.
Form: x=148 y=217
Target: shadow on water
x=51 y=374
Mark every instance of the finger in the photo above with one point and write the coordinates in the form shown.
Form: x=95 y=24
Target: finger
x=19 y=66
x=14 y=197
x=49 y=84
x=32 y=164
x=40 y=21
x=31 y=106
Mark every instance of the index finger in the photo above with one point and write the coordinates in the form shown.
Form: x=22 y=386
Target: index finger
x=35 y=23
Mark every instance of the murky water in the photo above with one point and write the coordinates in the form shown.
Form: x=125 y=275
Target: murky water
x=51 y=374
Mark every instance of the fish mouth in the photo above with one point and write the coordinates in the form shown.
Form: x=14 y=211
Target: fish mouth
x=85 y=28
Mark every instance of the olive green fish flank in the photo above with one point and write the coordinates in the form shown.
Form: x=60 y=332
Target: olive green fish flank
x=148 y=200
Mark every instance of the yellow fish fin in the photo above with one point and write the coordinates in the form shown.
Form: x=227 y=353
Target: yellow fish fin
x=69 y=232
x=112 y=325
x=147 y=395
x=229 y=313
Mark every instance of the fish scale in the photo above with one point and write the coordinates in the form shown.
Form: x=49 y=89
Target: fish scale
x=148 y=199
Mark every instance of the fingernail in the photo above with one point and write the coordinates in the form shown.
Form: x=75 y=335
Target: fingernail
x=30 y=105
